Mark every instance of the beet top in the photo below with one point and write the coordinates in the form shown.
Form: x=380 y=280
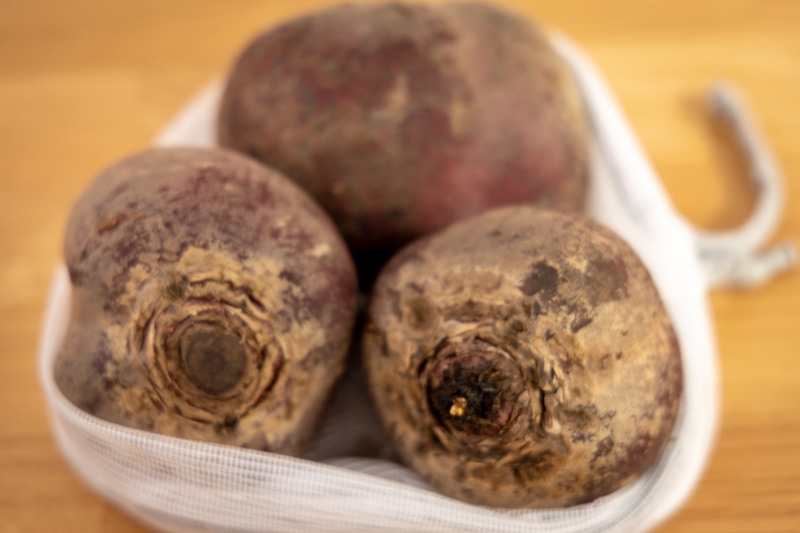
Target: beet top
x=523 y=358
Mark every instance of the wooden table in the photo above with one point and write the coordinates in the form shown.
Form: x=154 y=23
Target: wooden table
x=85 y=82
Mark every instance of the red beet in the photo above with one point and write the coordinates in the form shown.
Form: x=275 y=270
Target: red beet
x=212 y=300
x=402 y=118
x=523 y=358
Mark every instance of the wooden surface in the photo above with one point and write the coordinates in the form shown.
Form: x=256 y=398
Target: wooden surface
x=85 y=82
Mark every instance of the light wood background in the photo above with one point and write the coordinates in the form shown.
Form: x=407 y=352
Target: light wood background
x=86 y=82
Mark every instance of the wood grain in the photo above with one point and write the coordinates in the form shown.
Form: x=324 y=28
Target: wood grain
x=85 y=82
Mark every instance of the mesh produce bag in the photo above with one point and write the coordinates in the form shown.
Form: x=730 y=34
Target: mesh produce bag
x=349 y=479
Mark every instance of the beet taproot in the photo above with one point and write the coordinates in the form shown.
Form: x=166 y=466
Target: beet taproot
x=212 y=300
x=400 y=118
x=523 y=358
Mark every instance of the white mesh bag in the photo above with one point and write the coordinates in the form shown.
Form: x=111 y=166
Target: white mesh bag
x=348 y=481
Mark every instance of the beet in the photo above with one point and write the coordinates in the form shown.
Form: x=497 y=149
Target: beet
x=212 y=300
x=523 y=358
x=402 y=118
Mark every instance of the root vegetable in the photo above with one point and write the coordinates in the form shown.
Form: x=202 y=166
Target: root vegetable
x=523 y=358
x=402 y=118
x=212 y=300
